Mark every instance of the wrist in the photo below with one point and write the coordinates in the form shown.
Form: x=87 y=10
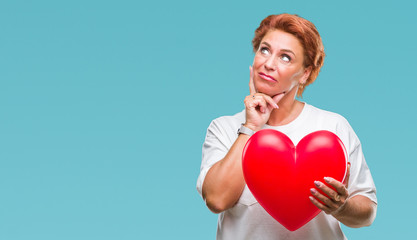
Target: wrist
x=245 y=130
x=340 y=212
x=251 y=127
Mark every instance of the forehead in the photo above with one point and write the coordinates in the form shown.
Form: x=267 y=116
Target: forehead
x=279 y=39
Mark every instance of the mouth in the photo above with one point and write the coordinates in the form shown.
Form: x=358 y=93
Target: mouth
x=267 y=77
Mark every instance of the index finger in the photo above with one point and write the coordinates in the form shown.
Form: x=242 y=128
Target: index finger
x=252 y=89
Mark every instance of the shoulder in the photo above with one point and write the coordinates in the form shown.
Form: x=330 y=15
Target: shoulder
x=337 y=124
x=222 y=131
x=328 y=116
x=227 y=122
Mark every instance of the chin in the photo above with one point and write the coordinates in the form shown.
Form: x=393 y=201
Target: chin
x=268 y=91
x=266 y=87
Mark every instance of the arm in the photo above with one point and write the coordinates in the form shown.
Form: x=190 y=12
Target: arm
x=359 y=211
x=355 y=212
x=224 y=182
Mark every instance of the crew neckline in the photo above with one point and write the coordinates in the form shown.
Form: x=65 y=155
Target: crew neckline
x=293 y=124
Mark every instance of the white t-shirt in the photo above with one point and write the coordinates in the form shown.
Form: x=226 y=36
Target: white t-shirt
x=247 y=219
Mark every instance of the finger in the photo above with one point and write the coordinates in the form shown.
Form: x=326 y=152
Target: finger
x=261 y=103
x=252 y=89
x=278 y=97
x=327 y=190
x=270 y=101
x=340 y=187
x=319 y=205
x=346 y=181
x=324 y=199
x=252 y=102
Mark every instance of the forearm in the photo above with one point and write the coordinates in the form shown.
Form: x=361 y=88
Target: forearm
x=224 y=182
x=359 y=211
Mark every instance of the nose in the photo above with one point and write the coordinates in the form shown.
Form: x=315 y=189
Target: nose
x=270 y=64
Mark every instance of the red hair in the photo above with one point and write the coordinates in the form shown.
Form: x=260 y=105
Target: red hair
x=304 y=31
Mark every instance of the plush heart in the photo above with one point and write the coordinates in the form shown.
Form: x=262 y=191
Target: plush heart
x=280 y=175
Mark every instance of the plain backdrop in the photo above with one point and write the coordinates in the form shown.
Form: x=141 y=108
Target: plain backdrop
x=104 y=107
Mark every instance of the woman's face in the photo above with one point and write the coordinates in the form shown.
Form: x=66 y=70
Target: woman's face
x=278 y=64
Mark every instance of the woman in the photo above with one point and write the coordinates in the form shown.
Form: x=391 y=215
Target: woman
x=288 y=57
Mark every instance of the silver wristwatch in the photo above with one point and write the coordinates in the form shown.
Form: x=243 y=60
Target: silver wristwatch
x=245 y=130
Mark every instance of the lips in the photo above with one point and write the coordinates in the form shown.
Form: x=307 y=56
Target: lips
x=267 y=77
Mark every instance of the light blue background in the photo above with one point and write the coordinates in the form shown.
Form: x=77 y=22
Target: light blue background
x=104 y=107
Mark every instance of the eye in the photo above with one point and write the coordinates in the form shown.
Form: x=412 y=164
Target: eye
x=285 y=58
x=264 y=50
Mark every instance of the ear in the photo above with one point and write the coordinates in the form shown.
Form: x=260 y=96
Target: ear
x=306 y=74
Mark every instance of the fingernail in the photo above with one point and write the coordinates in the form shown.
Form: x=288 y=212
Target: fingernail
x=317 y=183
x=276 y=106
x=311 y=198
x=313 y=191
x=327 y=179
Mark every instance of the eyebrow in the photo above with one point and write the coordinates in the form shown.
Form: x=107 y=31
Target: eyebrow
x=284 y=50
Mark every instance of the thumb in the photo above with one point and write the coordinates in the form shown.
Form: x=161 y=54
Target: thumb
x=346 y=182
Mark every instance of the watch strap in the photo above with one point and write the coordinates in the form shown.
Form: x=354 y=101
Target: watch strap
x=245 y=130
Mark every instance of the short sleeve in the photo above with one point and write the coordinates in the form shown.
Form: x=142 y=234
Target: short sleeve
x=360 y=180
x=215 y=147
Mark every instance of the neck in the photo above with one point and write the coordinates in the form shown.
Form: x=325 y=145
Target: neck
x=289 y=109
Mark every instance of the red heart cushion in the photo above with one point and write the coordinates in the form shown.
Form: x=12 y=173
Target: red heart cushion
x=280 y=175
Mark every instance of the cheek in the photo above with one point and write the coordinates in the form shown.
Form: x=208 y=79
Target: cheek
x=297 y=75
x=257 y=61
x=289 y=72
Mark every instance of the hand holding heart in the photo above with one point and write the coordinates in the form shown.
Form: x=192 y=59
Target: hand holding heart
x=334 y=199
x=259 y=106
